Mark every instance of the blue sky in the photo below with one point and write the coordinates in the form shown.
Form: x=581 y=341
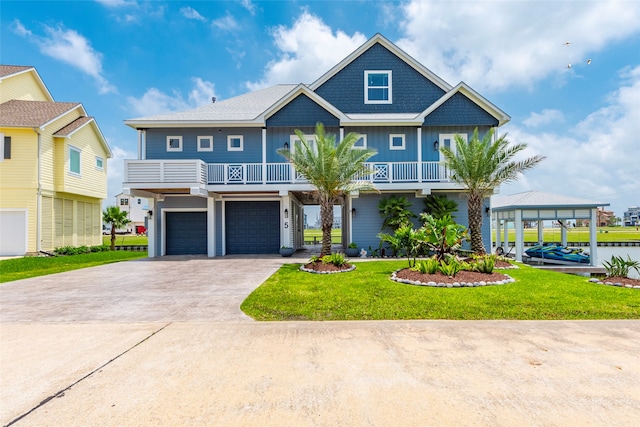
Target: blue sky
x=124 y=59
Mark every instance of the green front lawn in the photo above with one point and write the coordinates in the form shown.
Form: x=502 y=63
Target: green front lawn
x=22 y=268
x=368 y=294
x=126 y=240
x=579 y=234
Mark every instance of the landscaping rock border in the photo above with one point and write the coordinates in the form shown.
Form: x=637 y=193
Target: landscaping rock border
x=309 y=270
x=451 y=285
x=617 y=284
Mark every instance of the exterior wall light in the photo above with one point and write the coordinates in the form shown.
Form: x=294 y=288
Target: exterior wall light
x=353 y=212
x=436 y=145
x=286 y=145
x=149 y=214
x=286 y=213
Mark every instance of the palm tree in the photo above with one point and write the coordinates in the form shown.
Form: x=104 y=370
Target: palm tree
x=334 y=169
x=117 y=218
x=481 y=166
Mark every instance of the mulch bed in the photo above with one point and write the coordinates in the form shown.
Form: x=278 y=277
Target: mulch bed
x=320 y=267
x=624 y=281
x=462 y=276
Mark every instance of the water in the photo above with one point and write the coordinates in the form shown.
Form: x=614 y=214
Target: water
x=605 y=253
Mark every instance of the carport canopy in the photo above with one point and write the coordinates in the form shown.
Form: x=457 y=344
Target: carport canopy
x=539 y=206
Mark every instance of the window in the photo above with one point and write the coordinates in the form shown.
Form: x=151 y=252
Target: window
x=174 y=143
x=139 y=201
x=74 y=160
x=205 y=143
x=310 y=139
x=448 y=140
x=361 y=143
x=235 y=143
x=99 y=163
x=396 y=141
x=124 y=202
x=5 y=147
x=377 y=87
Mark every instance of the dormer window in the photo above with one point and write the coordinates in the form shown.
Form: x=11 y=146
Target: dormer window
x=377 y=87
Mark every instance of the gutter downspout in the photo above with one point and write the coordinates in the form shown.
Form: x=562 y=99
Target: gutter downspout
x=39 y=194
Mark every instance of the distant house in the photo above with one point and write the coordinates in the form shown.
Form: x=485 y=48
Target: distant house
x=53 y=168
x=217 y=186
x=136 y=208
x=632 y=217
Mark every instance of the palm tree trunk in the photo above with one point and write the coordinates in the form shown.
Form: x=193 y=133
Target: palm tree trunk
x=326 y=221
x=474 y=205
x=113 y=236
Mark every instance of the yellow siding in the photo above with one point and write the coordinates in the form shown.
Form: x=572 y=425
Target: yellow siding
x=21 y=170
x=47 y=224
x=25 y=87
x=91 y=182
x=54 y=155
x=23 y=198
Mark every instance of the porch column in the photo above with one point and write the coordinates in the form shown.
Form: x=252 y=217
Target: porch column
x=286 y=215
x=264 y=155
x=540 y=231
x=419 y=138
x=519 y=236
x=152 y=213
x=341 y=133
x=498 y=232
x=211 y=226
x=563 y=232
x=593 y=237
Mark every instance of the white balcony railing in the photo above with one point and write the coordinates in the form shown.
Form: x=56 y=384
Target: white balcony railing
x=196 y=171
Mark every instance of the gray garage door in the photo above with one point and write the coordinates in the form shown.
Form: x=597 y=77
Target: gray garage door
x=252 y=227
x=186 y=233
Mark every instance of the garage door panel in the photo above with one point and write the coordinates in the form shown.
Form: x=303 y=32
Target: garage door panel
x=186 y=233
x=252 y=227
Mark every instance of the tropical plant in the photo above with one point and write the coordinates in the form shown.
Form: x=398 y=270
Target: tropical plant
x=334 y=169
x=619 y=267
x=406 y=239
x=353 y=245
x=117 y=218
x=450 y=268
x=427 y=266
x=439 y=205
x=481 y=166
x=484 y=264
x=395 y=212
x=443 y=235
x=335 y=258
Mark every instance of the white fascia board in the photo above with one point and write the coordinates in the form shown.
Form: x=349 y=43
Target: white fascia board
x=295 y=92
x=474 y=96
x=382 y=122
x=378 y=38
x=82 y=112
x=38 y=78
x=103 y=141
x=139 y=124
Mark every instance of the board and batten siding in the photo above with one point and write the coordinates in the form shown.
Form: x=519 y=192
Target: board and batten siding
x=156 y=145
x=71 y=221
x=24 y=87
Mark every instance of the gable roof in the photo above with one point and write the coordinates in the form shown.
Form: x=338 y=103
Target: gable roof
x=475 y=97
x=79 y=123
x=379 y=38
x=298 y=90
x=30 y=114
x=7 y=71
x=247 y=109
x=540 y=200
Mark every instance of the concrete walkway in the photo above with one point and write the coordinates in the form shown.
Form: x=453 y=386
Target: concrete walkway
x=122 y=351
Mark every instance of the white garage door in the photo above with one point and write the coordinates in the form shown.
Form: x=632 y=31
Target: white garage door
x=13 y=232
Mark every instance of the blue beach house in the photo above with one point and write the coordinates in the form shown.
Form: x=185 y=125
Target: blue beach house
x=216 y=185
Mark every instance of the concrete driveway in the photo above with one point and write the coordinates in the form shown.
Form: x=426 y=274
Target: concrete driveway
x=163 y=343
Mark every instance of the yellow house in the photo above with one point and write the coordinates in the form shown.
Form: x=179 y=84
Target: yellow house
x=53 y=168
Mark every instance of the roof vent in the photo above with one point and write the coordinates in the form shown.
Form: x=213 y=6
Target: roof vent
x=213 y=99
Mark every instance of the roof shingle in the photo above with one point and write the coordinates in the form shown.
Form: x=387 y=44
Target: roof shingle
x=73 y=126
x=17 y=113
x=7 y=70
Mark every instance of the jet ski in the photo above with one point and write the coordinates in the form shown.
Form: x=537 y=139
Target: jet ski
x=553 y=251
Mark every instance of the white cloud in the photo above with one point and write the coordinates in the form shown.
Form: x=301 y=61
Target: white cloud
x=226 y=23
x=547 y=116
x=70 y=47
x=306 y=49
x=190 y=13
x=496 y=45
x=155 y=102
x=247 y=4
x=598 y=156
x=116 y=3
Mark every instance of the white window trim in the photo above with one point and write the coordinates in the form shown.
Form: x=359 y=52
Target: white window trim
x=74 y=173
x=362 y=136
x=1 y=146
x=450 y=136
x=366 y=87
x=230 y=148
x=202 y=138
x=397 y=135
x=294 y=138
x=179 y=138
x=100 y=168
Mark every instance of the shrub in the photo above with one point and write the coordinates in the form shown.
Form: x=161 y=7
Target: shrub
x=405 y=239
x=484 y=264
x=314 y=258
x=100 y=248
x=352 y=246
x=450 y=268
x=442 y=235
x=427 y=266
x=335 y=258
x=620 y=267
x=71 y=250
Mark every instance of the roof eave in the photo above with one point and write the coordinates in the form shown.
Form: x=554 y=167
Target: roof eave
x=145 y=124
